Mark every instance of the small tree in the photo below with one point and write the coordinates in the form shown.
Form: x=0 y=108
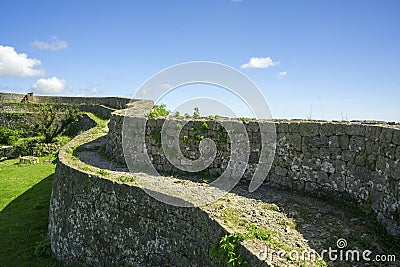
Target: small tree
x=52 y=123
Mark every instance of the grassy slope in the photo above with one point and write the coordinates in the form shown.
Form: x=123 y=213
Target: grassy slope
x=24 y=207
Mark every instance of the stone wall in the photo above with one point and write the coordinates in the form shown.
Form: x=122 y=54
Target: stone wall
x=11 y=97
x=356 y=161
x=97 y=221
x=112 y=102
x=23 y=108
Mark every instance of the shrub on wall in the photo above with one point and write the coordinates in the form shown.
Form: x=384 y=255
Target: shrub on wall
x=8 y=136
x=51 y=123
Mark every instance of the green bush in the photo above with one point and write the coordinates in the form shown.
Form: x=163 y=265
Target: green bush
x=52 y=123
x=158 y=111
x=8 y=136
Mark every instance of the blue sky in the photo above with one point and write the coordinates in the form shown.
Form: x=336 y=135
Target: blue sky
x=319 y=59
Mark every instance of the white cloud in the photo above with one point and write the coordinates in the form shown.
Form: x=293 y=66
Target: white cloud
x=282 y=74
x=54 y=45
x=14 y=64
x=259 y=62
x=52 y=86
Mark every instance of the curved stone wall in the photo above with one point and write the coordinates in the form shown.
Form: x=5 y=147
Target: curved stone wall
x=357 y=161
x=97 y=220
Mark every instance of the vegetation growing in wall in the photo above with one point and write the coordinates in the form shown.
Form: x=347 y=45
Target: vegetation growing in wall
x=8 y=136
x=156 y=135
x=158 y=111
x=51 y=123
x=196 y=113
x=228 y=251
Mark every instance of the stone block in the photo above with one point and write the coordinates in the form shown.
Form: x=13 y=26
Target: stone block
x=294 y=140
x=395 y=171
x=281 y=127
x=321 y=177
x=360 y=159
x=340 y=166
x=337 y=182
x=397 y=153
x=372 y=147
x=340 y=128
x=344 y=141
x=371 y=162
x=333 y=141
x=281 y=171
x=324 y=153
x=309 y=128
x=28 y=160
x=355 y=129
x=357 y=143
x=327 y=167
x=327 y=129
x=348 y=155
x=396 y=136
x=372 y=132
x=387 y=150
x=386 y=135
x=293 y=127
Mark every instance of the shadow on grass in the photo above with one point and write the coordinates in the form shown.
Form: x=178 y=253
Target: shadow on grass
x=23 y=228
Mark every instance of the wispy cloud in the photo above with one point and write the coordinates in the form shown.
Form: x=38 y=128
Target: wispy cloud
x=90 y=92
x=54 y=45
x=282 y=74
x=51 y=86
x=166 y=86
x=259 y=62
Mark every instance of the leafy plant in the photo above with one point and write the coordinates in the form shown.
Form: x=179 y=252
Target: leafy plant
x=158 y=111
x=156 y=135
x=258 y=233
x=8 y=136
x=103 y=172
x=214 y=117
x=228 y=251
x=204 y=127
x=52 y=123
x=196 y=113
x=185 y=138
x=199 y=137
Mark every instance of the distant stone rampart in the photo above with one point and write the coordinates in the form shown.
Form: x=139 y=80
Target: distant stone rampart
x=111 y=102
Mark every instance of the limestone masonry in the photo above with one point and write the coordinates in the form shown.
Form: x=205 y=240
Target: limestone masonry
x=357 y=161
x=98 y=221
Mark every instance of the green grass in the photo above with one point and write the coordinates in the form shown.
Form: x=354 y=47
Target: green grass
x=24 y=211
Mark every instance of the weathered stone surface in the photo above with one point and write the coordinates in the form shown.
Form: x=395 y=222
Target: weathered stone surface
x=373 y=132
x=327 y=129
x=340 y=158
x=396 y=136
x=28 y=160
x=355 y=129
x=357 y=143
x=344 y=141
x=309 y=128
x=386 y=135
